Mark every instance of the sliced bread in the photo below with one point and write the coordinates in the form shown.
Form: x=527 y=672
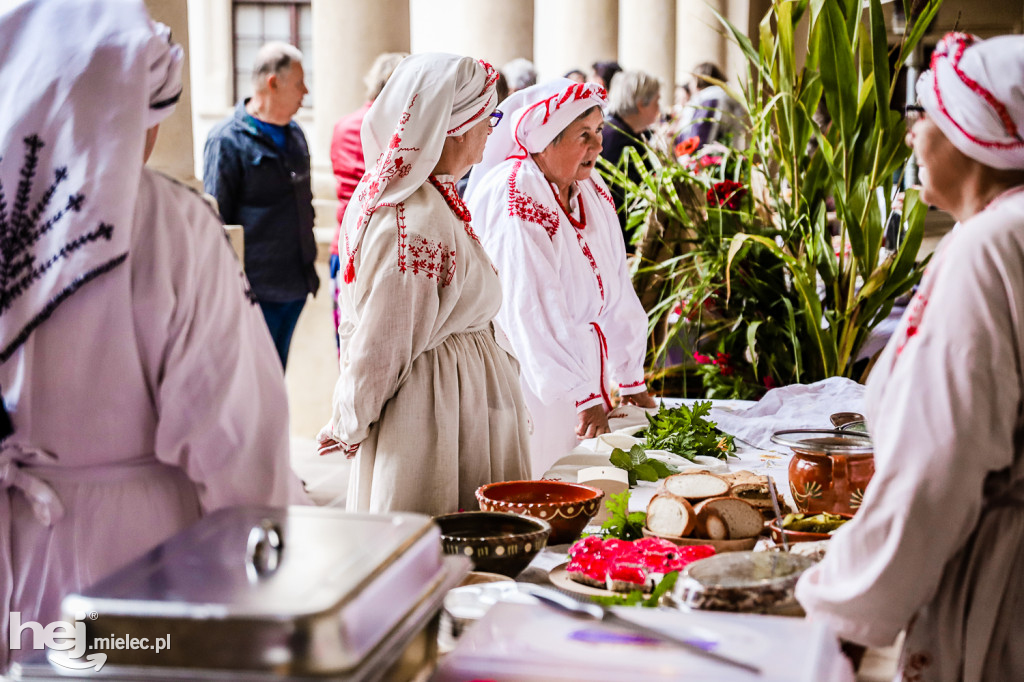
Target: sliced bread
x=670 y=515
x=695 y=485
x=728 y=518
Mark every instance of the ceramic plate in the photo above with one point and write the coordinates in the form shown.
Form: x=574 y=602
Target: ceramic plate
x=719 y=545
x=559 y=577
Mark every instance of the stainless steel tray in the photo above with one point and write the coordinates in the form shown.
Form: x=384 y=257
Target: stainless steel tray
x=248 y=593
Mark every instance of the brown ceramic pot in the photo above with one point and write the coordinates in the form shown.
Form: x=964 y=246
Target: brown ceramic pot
x=829 y=471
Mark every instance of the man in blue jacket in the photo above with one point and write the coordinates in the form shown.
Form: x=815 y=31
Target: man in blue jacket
x=256 y=164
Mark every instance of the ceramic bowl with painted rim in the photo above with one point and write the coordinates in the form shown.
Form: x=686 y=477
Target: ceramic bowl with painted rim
x=568 y=507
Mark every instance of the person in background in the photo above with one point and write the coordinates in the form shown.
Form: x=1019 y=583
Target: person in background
x=576 y=76
x=603 y=72
x=634 y=105
x=256 y=165
x=937 y=545
x=519 y=73
x=428 y=400
x=347 y=158
x=140 y=387
x=710 y=114
x=547 y=220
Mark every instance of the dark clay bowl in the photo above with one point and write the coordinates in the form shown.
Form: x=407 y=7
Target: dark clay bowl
x=495 y=542
x=568 y=507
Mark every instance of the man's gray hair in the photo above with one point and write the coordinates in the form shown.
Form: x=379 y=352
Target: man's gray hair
x=630 y=88
x=273 y=58
x=520 y=73
x=380 y=71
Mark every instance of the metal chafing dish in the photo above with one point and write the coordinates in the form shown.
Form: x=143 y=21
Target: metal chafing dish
x=252 y=593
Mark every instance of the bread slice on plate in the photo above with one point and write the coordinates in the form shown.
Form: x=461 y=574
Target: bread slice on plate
x=728 y=518
x=670 y=515
x=695 y=485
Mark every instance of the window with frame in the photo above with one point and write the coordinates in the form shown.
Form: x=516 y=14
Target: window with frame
x=256 y=22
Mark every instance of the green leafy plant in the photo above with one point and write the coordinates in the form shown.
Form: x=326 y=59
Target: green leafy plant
x=637 y=597
x=638 y=465
x=772 y=255
x=687 y=432
x=622 y=523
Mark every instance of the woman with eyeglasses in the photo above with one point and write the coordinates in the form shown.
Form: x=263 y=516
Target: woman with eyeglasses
x=548 y=221
x=937 y=546
x=428 y=400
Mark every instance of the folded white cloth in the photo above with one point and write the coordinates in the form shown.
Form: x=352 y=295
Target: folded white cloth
x=798 y=406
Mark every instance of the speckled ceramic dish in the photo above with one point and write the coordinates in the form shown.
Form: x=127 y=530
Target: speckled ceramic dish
x=496 y=542
x=568 y=507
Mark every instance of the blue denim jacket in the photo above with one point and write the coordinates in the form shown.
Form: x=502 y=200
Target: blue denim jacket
x=268 y=191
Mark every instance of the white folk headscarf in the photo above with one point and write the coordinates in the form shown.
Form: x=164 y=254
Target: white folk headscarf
x=428 y=98
x=80 y=82
x=533 y=118
x=974 y=92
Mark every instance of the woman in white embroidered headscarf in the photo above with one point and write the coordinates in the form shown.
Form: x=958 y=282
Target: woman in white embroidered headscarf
x=937 y=546
x=548 y=221
x=140 y=385
x=427 y=397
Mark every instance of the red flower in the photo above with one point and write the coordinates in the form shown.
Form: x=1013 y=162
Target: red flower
x=726 y=193
x=769 y=382
x=687 y=146
x=710 y=160
x=702 y=359
x=395 y=141
x=398 y=161
x=725 y=370
x=722 y=359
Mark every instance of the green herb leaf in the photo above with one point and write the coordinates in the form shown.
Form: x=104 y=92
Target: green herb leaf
x=622 y=523
x=687 y=432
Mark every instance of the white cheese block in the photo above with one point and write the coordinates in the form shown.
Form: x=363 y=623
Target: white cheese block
x=611 y=480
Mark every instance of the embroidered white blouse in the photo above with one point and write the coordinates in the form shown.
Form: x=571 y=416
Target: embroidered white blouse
x=569 y=308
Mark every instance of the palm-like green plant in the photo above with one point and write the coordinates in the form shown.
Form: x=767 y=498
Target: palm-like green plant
x=787 y=290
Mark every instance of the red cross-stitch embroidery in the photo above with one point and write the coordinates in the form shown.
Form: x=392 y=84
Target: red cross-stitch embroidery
x=633 y=385
x=604 y=195
x=586 y=400
x=526 y=207
x=425 y=257
x=914 y=315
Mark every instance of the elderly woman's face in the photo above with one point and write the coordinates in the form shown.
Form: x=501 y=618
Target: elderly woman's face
x=939 y=163
x=573 y=156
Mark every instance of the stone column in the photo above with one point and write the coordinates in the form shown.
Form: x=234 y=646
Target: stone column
x=699 y=36
x=573 y=34
x=211 y=52
x=173 y=152
x=347 y=36
x=647 y=41
x=496 y=31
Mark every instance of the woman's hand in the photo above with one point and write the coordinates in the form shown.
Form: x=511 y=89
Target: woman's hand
x=592 y=422
x=326 y=443
x=641 y=399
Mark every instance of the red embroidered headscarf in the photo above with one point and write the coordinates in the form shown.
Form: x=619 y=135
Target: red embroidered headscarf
x=428 y=98
x=974 y=92
x=533 y=118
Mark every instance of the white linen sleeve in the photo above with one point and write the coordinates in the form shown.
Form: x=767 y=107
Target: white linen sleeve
x=944 y=419
x=216 y=379
x=626 y=326
x=397 y=317
x=559 y=357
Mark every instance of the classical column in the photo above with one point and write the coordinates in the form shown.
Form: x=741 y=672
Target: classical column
x=647 y=41
x=497 y=31
x=699 y=36
x=573 y=34
x=211 y=52
x=173 y=152
x=347 y=36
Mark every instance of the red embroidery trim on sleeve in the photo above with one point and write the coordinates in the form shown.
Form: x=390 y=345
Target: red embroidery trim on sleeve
x=633 y=385
x=424 y=257
x=529 y=209
x=586 y=400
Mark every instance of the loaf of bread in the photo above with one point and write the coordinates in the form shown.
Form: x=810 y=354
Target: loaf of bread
x=727 y=518
x=695 y=485
x=670 y=515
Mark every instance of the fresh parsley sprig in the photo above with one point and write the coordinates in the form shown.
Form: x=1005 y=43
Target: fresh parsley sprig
x=637 y=598
x=621 y=523
x=687 y=432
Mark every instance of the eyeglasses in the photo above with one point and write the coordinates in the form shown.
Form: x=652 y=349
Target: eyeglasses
x=913 y=113
x=495 y=118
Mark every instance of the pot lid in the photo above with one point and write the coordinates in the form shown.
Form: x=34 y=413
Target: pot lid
x=824 y=441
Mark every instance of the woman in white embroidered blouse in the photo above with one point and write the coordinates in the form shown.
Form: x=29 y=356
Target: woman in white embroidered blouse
x=548 y=221
x=937 y=547
x=428 y=402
